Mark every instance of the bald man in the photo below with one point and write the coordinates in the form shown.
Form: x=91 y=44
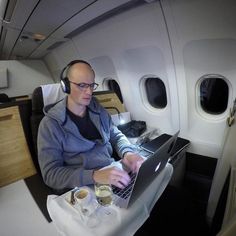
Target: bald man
x=76 y=137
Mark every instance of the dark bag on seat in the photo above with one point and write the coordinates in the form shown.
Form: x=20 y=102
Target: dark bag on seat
x=133 y=128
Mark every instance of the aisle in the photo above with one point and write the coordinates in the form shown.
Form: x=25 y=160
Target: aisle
x=175 y=214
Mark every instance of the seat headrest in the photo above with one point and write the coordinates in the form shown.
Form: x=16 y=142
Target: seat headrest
x=52 y=93
x=4 y=98
x=37 y=100
x=45 y=95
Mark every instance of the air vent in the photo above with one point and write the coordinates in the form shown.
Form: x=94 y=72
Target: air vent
x=55 y=45
x=150 y=1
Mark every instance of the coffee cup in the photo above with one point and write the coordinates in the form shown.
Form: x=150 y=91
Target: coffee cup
x=84 y=201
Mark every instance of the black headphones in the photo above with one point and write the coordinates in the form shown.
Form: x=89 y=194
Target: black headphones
x=65 y=83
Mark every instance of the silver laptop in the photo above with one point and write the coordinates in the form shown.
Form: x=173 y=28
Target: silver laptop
x=148 y=171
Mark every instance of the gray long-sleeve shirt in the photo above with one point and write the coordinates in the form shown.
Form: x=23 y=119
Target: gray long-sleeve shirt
x=66 y=158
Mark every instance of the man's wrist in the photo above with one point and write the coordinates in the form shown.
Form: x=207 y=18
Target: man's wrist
x=127 y=152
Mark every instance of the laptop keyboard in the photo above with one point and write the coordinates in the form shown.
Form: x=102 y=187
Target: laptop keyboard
x=125 y=192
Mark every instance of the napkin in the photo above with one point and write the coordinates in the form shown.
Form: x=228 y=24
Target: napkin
x=67 y=218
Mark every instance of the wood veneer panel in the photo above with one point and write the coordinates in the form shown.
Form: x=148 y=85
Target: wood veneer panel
x=15 y=158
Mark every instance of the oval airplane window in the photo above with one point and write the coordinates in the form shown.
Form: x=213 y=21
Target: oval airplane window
x=114 y=86
x=156 y=92
x=214 y=94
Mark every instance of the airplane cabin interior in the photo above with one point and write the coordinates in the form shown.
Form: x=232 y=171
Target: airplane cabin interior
x=162 y=66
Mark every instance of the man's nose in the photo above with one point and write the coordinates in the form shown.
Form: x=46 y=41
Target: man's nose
x=89 y=90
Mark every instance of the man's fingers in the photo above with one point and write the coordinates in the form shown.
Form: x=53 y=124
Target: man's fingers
x=119 y=178
x=138 y=164
x=118 y=184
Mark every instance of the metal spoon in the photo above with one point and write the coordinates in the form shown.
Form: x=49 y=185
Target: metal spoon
x=72 y=196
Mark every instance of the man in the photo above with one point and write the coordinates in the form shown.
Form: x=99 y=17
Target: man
x=76 y=137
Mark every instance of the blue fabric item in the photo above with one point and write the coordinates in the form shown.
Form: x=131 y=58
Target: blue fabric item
x=66 y=158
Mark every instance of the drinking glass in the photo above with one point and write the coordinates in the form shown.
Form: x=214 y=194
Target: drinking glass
x=104 y=196
x=103 y=193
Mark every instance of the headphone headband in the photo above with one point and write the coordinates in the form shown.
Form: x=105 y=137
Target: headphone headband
x=65 y=84
x=71 y=64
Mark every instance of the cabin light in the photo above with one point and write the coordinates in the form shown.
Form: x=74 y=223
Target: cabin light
x=38 y=37
x=122 y=121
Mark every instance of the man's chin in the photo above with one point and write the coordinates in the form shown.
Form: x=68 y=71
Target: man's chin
x=86 y=102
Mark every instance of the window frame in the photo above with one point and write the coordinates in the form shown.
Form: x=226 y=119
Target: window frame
x=144 y=96
x=199 y=108
x=105 y=86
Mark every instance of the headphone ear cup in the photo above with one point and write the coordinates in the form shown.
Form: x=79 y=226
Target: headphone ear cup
x=65 y=85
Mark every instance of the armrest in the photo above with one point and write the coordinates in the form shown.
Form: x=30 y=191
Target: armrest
x=156 y=143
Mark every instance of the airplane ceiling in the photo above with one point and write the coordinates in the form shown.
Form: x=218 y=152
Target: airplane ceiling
x=32 y=28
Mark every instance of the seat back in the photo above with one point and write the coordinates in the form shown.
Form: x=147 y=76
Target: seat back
x=36 y=117
x=42 y=96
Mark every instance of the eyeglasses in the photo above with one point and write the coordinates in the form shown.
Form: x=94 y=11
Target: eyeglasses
x=84 y=86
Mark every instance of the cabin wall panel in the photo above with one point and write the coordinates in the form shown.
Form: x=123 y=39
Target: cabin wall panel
x=59 y=58
x=104 y=68
x=202 y=36
x=146 y=61
x=24 y=76
x=215 y=56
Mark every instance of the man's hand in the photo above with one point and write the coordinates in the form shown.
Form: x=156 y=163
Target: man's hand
x=112 y=175
x=133 y=161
